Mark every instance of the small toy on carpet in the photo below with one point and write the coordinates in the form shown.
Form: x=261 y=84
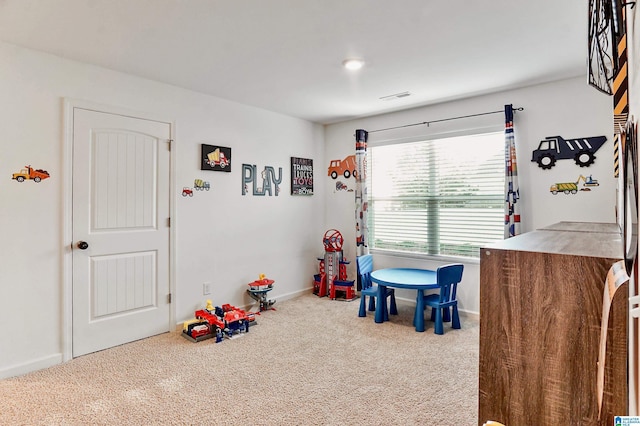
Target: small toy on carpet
x=217 y=322
x=258 y=291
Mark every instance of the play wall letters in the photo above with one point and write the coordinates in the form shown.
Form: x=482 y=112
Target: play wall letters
x=270 y=183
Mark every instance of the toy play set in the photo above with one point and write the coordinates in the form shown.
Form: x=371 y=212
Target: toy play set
x=228 y=320
x=258 y=291
x=332 y=278
x=217 y=322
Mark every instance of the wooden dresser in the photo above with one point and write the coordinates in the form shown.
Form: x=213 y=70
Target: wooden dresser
x=540 y=314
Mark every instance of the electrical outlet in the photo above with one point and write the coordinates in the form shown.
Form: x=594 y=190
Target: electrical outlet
x=206 y=288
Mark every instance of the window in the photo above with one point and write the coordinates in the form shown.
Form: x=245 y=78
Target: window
x=437 y=197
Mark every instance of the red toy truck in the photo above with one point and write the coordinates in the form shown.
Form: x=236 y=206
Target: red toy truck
x=209 y=322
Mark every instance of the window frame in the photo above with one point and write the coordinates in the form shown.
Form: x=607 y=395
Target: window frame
x=373 y=143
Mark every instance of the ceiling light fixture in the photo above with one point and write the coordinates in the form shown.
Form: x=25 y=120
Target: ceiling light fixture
x=395 y=96
x=353 y=64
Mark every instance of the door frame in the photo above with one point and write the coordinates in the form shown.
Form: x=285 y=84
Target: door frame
x=67 y=214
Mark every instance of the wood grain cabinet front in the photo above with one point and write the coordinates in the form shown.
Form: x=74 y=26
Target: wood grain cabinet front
x=540 y=315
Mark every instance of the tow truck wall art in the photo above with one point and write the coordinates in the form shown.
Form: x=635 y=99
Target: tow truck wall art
x=270 y=183
x=29 y=173
x=580 y=150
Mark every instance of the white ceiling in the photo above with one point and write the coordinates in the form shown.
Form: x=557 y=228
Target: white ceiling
x=286 y=55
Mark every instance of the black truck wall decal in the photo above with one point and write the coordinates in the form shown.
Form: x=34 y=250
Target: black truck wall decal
x=554 y=148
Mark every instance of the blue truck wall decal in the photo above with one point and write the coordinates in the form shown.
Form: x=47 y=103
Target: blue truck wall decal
x=554 y=148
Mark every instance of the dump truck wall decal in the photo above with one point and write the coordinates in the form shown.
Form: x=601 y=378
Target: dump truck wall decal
x=580 y=150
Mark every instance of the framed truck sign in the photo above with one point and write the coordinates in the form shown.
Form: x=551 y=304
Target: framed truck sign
x=301 y=176
x=217 y=158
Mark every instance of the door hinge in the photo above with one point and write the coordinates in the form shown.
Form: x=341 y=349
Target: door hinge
x=169 y=144
x=169 y=298
x=169 y=222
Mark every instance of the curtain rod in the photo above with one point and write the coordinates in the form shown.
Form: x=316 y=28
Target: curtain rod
x=444 y=119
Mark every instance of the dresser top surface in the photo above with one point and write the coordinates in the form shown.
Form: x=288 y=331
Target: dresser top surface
x=597 y=227
x=601 y=240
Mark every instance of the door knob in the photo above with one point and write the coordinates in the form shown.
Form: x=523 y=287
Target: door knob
x=82 y=245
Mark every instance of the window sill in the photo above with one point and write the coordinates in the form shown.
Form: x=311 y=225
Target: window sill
x=420 y=256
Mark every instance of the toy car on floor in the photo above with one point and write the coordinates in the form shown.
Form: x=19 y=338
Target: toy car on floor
x=217 y=322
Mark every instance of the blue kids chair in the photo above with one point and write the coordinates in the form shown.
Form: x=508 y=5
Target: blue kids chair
x=448 y=278
x=365 y=267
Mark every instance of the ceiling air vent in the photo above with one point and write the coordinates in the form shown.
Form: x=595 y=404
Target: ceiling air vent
x=395 y=96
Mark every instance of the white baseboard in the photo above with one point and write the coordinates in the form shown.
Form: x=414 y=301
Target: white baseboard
x=294 y=294
x=30 y=366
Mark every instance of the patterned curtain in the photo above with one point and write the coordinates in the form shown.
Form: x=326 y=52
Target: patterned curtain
x=362 y=231
x=511 y=188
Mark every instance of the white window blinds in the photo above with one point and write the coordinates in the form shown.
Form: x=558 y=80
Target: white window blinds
x=437 y=197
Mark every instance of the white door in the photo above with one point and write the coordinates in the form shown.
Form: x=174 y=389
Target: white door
x=120 y=229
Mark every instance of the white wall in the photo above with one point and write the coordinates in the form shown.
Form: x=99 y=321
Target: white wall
x=222 y=236
x=569 y=108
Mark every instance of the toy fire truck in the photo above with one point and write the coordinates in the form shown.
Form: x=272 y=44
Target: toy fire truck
x=217 y=322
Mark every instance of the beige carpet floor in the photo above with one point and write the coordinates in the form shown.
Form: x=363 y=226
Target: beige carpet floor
x=311 y=362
